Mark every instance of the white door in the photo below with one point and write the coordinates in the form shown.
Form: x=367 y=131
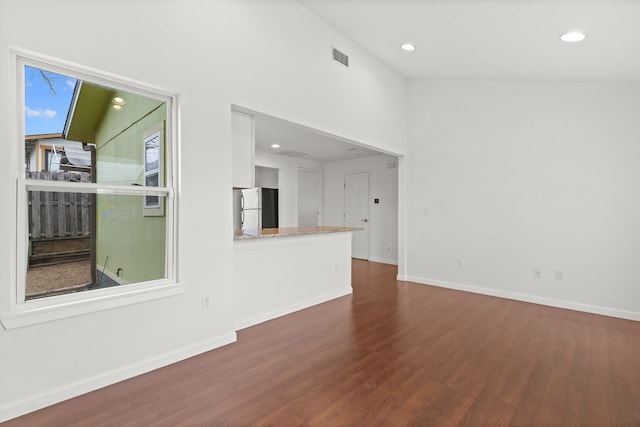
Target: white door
x=356 y=211
x=309 y=197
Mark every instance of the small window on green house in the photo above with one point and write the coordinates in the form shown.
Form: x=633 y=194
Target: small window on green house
x=153 y=148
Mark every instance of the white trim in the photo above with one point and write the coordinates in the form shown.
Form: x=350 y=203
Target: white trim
x=20 y=261
x=17 y=249
x=91 y=188
x=72 y=107
x=172 y=179
x=159 y=170
x=344 y=205
x=71 y=69
x=402 y=220
x=282 y=311
x=22 y=313
x=320 y=173
x=552 y=302
x=63 y=306
x=67 y=391
x=383 y=260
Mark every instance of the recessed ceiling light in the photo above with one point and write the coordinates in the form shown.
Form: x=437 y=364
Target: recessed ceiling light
x=118 y=102
x=275 y=145
x=408 y=47
x=573 y=36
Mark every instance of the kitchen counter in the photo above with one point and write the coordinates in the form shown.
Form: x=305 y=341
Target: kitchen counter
x=282 y=270
x=291 y=231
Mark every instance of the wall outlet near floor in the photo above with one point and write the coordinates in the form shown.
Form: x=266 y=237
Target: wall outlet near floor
x=206 y=302
x=559 y=274
x=460 y=264
x=537 y=273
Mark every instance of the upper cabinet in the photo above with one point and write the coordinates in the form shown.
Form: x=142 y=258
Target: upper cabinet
x=243 y=149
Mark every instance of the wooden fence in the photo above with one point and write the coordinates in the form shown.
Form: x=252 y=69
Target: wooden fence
x=59 y=214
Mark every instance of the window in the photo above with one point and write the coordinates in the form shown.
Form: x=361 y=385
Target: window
x=97 y=230
x=153 y=148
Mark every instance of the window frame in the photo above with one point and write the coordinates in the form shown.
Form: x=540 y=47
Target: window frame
x=21 y=313
x=153 y=210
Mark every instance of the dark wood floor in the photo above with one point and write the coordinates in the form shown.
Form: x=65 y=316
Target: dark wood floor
x=393 y=354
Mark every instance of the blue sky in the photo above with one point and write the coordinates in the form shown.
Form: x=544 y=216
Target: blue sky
x=46 y=111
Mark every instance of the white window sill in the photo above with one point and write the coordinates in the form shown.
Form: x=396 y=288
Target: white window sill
x=64 y=306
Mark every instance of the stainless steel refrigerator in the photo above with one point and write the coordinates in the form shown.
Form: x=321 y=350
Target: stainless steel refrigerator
x=258 y=208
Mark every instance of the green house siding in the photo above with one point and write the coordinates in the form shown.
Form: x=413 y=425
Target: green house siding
x=129 y=241
x=130 y=244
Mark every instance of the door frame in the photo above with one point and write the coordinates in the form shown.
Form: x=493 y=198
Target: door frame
x=320 y=173
x=344 y=204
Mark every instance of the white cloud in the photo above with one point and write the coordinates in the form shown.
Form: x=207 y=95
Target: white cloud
x=32 y=113
x=39 y=112
x=71 y=84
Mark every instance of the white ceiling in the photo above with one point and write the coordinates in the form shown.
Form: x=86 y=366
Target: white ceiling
x=472 y=39
x=493 y=39
x=303 y=143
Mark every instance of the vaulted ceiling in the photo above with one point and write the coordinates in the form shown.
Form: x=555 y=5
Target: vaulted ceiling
x=476 y=39
x=494 y=39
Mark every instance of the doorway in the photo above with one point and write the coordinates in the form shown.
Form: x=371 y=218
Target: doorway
x=356 y=211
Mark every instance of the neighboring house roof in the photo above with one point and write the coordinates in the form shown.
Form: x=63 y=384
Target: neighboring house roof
x=76 y=157
x=42 y=136
x=31 y=140
x=76 y=154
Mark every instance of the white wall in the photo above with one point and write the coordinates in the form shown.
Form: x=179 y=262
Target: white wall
x=268 y=56
x=383 y=185
x=275 y=277
x=287 y=183
x=524 y=175
x=266 y=177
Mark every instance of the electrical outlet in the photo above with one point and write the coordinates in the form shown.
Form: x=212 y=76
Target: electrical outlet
x=206 y=302
x=559 y=274
x=460 y=263
x=537 y=273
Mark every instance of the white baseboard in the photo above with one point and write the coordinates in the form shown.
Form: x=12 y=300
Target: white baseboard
x=570 y=305
x=384 y=261
x=282 y=311
x=15 y=409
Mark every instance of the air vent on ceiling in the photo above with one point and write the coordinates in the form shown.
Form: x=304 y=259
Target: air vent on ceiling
x=340 y=57
x=292 y=153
